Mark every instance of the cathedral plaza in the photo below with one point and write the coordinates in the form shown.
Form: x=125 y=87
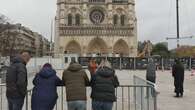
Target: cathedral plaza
x=86 y=32
x=164 y=83
x=164 y=86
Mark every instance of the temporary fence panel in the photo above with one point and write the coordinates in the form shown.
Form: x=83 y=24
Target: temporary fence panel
x=186 y=62
x=127 y=63
x=141 y=63
x=167 y=63
x=129 y=97
x=146 y=98
x=193 y=63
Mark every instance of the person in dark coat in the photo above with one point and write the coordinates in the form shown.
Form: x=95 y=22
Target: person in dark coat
x=103 y=85
x=44 y=94
x=178 y=75
x=16 y=81
x=151 y=71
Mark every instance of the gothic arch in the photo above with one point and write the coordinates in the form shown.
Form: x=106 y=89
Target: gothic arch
x=74 y=10
x=73 y=47
x=121 y=47
x=97 y=45
x=120 y=11
x=121 y=15
x=76 y=16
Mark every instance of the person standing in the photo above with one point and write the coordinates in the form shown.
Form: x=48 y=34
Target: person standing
x=44 y=95
x=16 y=81
x=151 y=76
x=151 y=71
x=92 y=66
x=178 y=75
x=103 y=85
x=75 y=80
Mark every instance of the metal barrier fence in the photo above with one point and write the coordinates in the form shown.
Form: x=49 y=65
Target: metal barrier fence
x=3 y=99
x=130 y=63
x=139 y=96
x=140 y=63
x=146 y=98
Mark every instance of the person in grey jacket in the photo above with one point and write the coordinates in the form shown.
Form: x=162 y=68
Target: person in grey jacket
x=151 y=71
x=16 y=81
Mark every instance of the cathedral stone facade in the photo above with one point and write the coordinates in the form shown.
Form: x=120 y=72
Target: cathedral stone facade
x=96 y=27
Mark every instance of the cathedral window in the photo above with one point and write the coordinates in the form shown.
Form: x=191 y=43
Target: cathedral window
x=77 y=19
x=96 y=0
x=97 y=16
x=115 y=19
x=69 y=19
x=119 y=1
x=122 y=20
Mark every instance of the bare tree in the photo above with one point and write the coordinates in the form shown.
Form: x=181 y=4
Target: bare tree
x=8 y=37
x=3 y=19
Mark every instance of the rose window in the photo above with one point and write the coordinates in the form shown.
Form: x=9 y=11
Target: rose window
x=97 y=16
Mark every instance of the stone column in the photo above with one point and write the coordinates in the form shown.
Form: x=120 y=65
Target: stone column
x=56 y=37
x=84 y=9
x=110 y=16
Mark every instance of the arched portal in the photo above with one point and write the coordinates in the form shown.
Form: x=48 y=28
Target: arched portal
x=97 y=45
x=73 y=48
x=121 y=47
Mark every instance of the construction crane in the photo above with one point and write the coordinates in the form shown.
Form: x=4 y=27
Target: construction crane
x=146 y=52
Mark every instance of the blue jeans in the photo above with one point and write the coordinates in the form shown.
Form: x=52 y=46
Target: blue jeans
x=15 y=104
x=77 y=105
x=99 y=105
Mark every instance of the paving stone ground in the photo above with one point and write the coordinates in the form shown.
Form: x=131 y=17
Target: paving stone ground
x=164 y=83
x=165 y=99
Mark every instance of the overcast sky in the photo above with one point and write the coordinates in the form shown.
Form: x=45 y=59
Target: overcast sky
x=156 y=18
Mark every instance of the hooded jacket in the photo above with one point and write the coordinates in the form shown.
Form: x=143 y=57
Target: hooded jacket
x=103 y=85
x=75 y=80
x=45 y=89
x=151 y=70
x=16 y=79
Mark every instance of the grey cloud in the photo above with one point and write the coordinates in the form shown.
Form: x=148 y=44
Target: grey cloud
x=156 y=20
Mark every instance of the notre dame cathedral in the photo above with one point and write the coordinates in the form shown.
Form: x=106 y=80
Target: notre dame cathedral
x=96 y=27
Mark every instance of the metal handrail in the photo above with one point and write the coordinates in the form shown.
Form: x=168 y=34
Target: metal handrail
x=120 y=93
x=127 y=95
x=147 y=83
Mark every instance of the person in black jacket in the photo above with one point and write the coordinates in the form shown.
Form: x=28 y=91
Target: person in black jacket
x=178 y=74
x=44 y=95
x=103 y=85
x=16 y=81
